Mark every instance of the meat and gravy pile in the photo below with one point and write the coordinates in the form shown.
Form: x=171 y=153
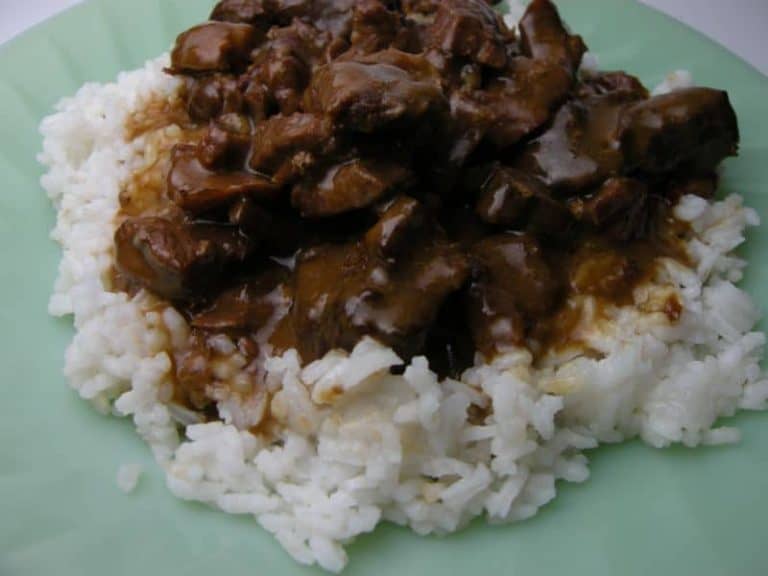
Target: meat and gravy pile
x=410 y=170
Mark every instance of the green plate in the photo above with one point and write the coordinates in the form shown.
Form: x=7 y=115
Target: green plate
x=684 y=512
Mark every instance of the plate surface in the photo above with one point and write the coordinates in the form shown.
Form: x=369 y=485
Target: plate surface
x=643 y=511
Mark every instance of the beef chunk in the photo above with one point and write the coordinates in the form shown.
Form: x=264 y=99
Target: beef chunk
x=174 y=259
x=213 y=47
x=581 y=148
x=514 y=104
x=694 y=129
x=281 y=67
x=470 y=29
x=543 y=36
x=252 y=304
x=345 y=292
x=512 y=285
x=515 y=199
x=601 y=83
x=348 y=186
x=227 y=142
x=619 y=206
x=374 y=28
x=402 y=221
x=210 y=96
x=197 y=189
x=285 y=147
x=366 y=95
x=243 y=11
x=332 y=16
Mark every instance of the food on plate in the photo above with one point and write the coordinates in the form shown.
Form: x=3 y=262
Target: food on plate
x=351 y=261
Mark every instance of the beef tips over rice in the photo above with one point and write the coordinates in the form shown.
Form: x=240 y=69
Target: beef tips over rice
x=346 y=261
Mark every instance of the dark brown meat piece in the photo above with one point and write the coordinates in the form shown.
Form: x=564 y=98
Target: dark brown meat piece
x=286 y=147
x=197 y=189
x=210 y=96
x=282 y=67
x=692 y=129
x=515 y=199
x=364 y=96
x=514 y=104
x=470 y=29
x=227 y=142
x=582 y=146
x=256 y=304
x=513 y=285
x=543 y=36
x=348 y=186
x=274 y=227
x=344 y=292
x=243 y=11
x=332 y=16
x=619 y=207
x=213 y=47
x=177 y=260
x=374 y=28
x=402 y=221
x=601 y=83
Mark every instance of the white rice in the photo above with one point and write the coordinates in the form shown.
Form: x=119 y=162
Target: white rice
x=359 y=445
x=128 y=476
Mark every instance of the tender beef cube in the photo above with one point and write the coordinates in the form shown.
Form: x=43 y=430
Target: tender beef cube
x=174 y=259
x=227 y=142
x=252 y=304
x=197 y=189
x=399 y=310
x=213 y=47
x=515 y=199
x=514 y=104
x=472 y=30
x=332 y=16
x=320 y=276
x=692 y=129
x=282 y=67
x=402 y=222
x=258 y=100
x=374 y=28
x=512 y=286
x=348 y=186
x=364 y=96
x=543 y=36
x=619 y=206
x=243 y=11
x=209 y=96
x=286 y=147
x=602 y=83
x=343 y=293
x=274 y=227
x=582 y=146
